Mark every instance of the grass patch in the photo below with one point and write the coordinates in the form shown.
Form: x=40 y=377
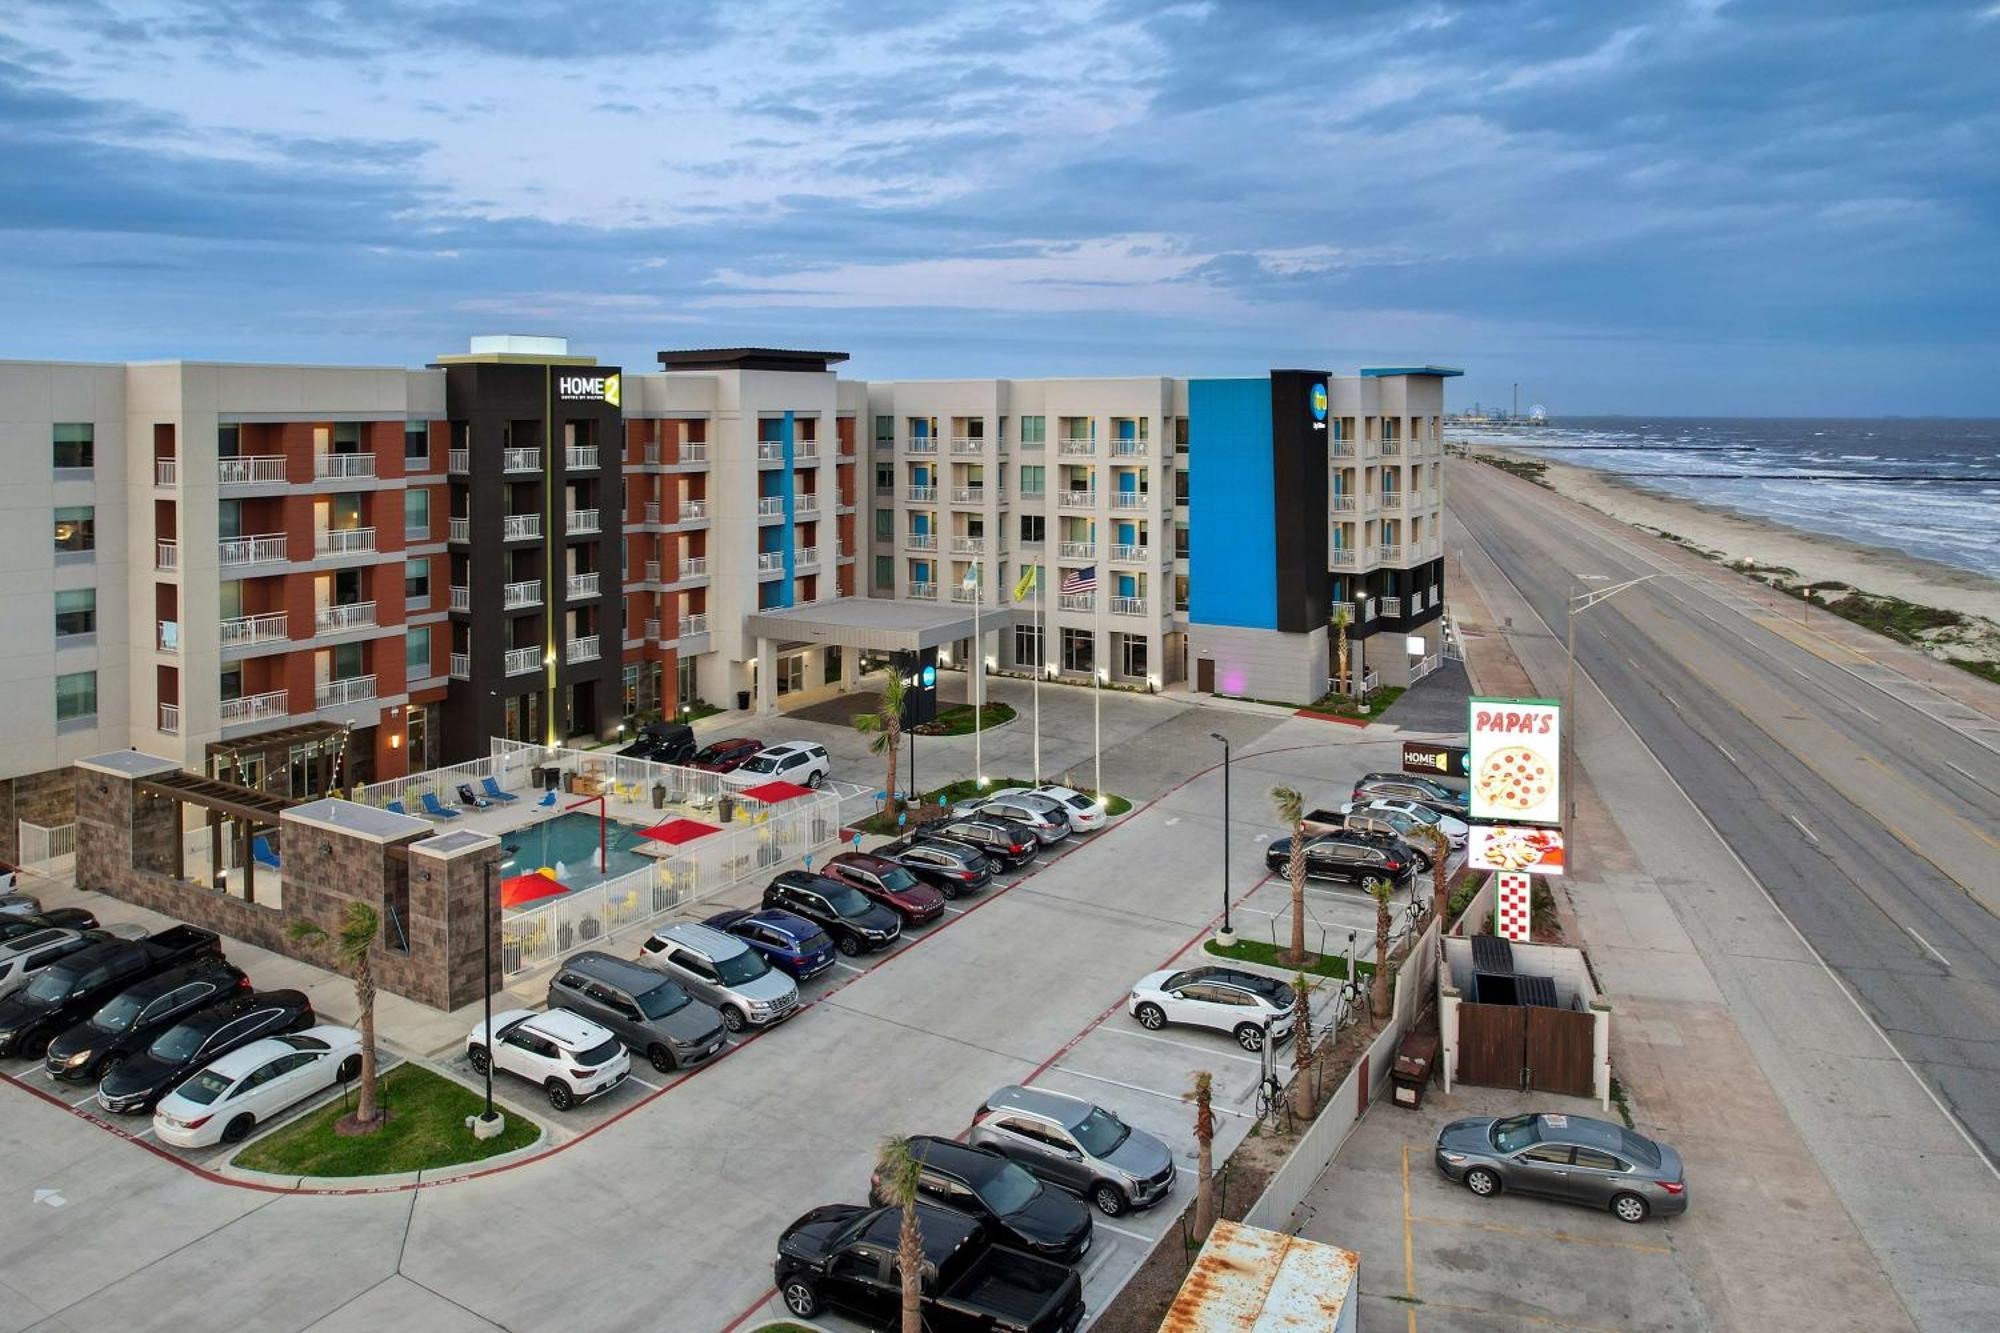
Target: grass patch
x=699 y=709
x=1987 y=670
x=957 y=720
x=1621 y=1100
x=426 y=1130
x=964 y=790
x=1527 y=469
x=1258 y=951
x=1342 y=705
x=1462 y=896
x=1893 y=617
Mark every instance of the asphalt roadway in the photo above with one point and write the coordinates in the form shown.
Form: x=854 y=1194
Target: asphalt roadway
x=1863 y=804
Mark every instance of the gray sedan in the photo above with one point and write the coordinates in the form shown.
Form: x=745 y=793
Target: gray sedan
x=1566 y=1157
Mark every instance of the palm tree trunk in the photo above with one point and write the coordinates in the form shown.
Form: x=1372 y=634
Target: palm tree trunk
x=1204 y=1137
x=365 y=1112
x=1295 y=867
x=910 y=1259
x=893 y=735
x=1303 y=1054
x=1378 y=999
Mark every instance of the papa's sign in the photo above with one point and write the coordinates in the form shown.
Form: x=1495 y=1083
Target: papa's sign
x=1516 y=760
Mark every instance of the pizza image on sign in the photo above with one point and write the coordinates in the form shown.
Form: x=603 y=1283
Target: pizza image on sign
x=1514 y=780
x=1535 y=851
x=1516 y=760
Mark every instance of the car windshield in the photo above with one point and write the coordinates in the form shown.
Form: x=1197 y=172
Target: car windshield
x=1079 y=803
x=663 y=999
x=178 y=1043
x=52 y=987
x=847 y=901
x=118 y=1014
x=1421 y=815
x=1100 y=1132
x=204 y=1087
x=898 y=880
x=1009 y=1190
x=1515 y=1133
x=744 y=967
x=814 y=942
x=598 y=1054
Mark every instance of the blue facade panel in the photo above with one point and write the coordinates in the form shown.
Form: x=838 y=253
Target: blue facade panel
x=1232 y=551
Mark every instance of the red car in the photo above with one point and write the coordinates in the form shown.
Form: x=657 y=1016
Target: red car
x=889 y=884
x=724 y=756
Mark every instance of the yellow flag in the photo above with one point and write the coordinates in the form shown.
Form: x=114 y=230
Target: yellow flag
x=1026 y=584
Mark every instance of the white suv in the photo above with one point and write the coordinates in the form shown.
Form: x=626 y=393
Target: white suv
x=1243 y=1004
x=571 y=1058
x=800 y=762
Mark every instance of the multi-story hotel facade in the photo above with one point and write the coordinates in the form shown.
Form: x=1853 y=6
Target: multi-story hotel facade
x=300 y=577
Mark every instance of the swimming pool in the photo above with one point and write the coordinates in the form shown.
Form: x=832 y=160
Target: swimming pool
x=568 y=844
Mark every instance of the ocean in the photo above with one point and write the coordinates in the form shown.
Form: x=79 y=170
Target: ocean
x=1927 y=487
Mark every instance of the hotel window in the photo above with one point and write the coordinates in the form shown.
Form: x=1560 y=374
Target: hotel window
x=1034 y=528
x=1131 y=655
x=1033 y=479
x=1180 y=486
x=885 y=525
x=631 y=688
x=417 y=582
x=76 y=697
x=885 y=431
x=75 y=446
x=76 y=612
x=1078 y=649
x=885 y=572
x=416 y=442
x=1180 y=435
x=1034 y=430
x=1027 y=646
x=1180 y=541
x=228 y=441
x=417 y=652
x=885 y=478
x=417 y=513
x=76 y=529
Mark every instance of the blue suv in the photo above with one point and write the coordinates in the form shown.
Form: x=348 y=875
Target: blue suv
x=792 y=944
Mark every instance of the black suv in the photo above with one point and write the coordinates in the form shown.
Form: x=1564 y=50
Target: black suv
x=67 y=992
x=1347 y=856
x=952 y=868
x=663 y=743
x=1002 y=841
x=130 y=1020
x=135 y=1086
x=857 y=925
x=982 y=1183
x=1407 y=787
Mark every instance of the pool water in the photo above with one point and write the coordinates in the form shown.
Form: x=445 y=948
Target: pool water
x=568 y=843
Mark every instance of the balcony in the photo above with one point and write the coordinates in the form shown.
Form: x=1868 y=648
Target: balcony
x=652 y=629
x=770 y=506
x=461 y=597
x=807 y=503
x=581 y=650
x=1341 y=448
x=805 y=448
x=650 y=513
x=1124 y=448
x=923 y=444
x=968 y=546
x=1342 y=557
x=166 y=472
x=652 y=572
x=1392 y=500
x=580 y=458
x=581 y=522
x=521 y=460
x=1077 y=601
x=1344 y=504
x=693 y=625
x=968 y=444
x=1128 y=606
x=1076 y=446
x=248 y=631
x=1131 y=499
x=1391 y=606
x=1129 y=555
x=1078 y=500
x=340 y=619
x=170 y=714
x=460 y=530
x=582 y=586
x=1392 y=448
x=924 y=592
x=968 y=495
x=338 y=693
x=961 y=593
x=459 y=460
x=345 y=541
x=770 y=562
x=807 y=555
x=920 y=495
x=1076 y=550
x=231 y=551
x=520 y=527
x=521 y=661
x=694 y=511
x=167 y=636
x=694 y=451
x=250 y=470
x=1389 y=554
x=461 y=666
x=341 y=467
x=255 y=708
x=920 y=541
x=527 y=592
x=166 y=555
x=770 y=451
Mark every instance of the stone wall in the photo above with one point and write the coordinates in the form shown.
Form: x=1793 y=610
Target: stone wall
x=448 y=897
x=38 y=798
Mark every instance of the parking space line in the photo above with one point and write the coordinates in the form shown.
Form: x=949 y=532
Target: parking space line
x=1134 y=1087
x=85 y=1101
x=1141 y=1237
x=1409 y=1246
x=849 y=967
x=955 y=911
x=1530 y=1233
x=634 y=1078
x=1184 y=1045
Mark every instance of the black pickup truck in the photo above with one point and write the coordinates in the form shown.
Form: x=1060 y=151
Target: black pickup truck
x=843 y=1257
x=66 y=993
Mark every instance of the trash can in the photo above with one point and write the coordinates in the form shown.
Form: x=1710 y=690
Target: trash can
x=725 y=808
x=659 y=795
x=742 y=701
x=1416 y=1056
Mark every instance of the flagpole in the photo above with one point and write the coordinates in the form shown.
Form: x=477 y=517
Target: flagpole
x=1097 y=596
x=977 y=676
x=1041 y=664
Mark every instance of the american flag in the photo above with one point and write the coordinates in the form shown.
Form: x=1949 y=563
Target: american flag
x=1080 y=580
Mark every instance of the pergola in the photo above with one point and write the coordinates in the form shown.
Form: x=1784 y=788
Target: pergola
x=328 y=741
x=248 y=807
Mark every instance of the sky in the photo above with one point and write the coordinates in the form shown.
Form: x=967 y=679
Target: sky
x=1702 y=207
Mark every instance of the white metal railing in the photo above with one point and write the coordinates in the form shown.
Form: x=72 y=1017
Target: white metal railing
x=255 y=708
x=968 y=495
x=1125 y=448
x=166 y=555
x=582 y=650
x=335 y=619
x=922 y=495
x=461 y=666
x=520 y=661
x=926 y=444
x=1077 y=499
x=805 y=503
x=770 y=562
x=1076 y=601
x=924 y=592
x=920 y=541
x=693 y=567
x=461 y=529
x=805 y=448
x=334 y=693
x=961 y=593
x=770 y=451
x=166 y=472
x=168 y=636
x=526 y=592
x=1390 y=606
x=968 y=444
x=1387 y=552
x=583 y=585
x=968 y=545
x=244 y=631
x=770 y=506
x=334 y=466
x=250 y=470
x=1076 y=550
x=652 y=574
x=1391 y=447
x=581 y=520
x=458 y=460
x=1072 y=446
x=692 y=511
x=1130 y=499
x=695 y=451
x=652 y=628
x=650 y=512
x=1342 y=557
x=251 y=550
x=693 y=625
x=1343 y=504
x=1392 y=499
x=37 y=844
x=1128 y=606
x=170 y=720
x=517 y=527
x=581 y=457
x=807 y=555
x=1129 y=554
x=521 y=460
x=1341 y=448
x=461 y=597
x=346 y=541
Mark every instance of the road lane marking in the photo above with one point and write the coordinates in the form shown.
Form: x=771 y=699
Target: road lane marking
x=93 y=1096
x=1800 y=674
x=1864 y=712
x=1140 y=1236
x=1964 y=773
x=1134 y=1087
x=1531 y=1233
x=1725 y=753
x=1927 y=944
x=1675 y=702
x=1803 y=829
x=1409 y=1246
x=955 y=911
x=1186 y=1046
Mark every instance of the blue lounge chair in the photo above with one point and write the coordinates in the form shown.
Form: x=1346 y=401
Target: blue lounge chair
x=548 y=799
x=435 y=808
x=492 y=790
x=261 y=847
x=396 y=807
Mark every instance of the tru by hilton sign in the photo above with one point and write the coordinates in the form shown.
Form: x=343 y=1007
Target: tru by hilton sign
x=587 y=389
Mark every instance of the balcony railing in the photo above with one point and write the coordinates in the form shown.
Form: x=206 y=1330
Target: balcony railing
x=328 y=467
x=250 y=470
x=924 y=592
x=1077 y=499
x=461 y=666
x=1076 y=550
x=345 y=541
x=1125 y=448
x=920 y=541
x=1128 y=606
x=1076 y=601
x=1342 y=557
x=693 y=567
x=167 y=636
x=1341 y=448
x=461 y=597
x=961 y=593
x=583 y=585
x=1076 y=446
x=581 y=458
x=1131 y=499
x=166 y=472
x=520 y=527
x=1392 y=500
x=805 y=448
x=652 y=571
x=335 y=693
x=255 y=708
x=693 y=451
x=807 y=555
x=1343 y=504
x=250 y=550
x=968 y=444
x=527 y=592
x=925 y=444
x=921 y=495
x=805 y=503
x=770 y=451
x=581 y=521
x=652 y=628
x=460 y=530
x=968 y=495
x=1391 y=606
x=968 y=546
x=170 y=715
x=694 y=511
x=770 y=506
x=339 y=619
x=770 y=562
x=582 y=650
x=247 y=631
x=520 y=661
x=166 y=555
x=1389 y=553
x=651 y=512
x=693 y=625
x=1391 y=448
x=458 y=460
x=1129 y=554
x=521 y=460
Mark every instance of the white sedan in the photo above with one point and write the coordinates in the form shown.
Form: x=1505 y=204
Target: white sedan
x=1454 y=830
x=247 y=1087
x=1086 y=813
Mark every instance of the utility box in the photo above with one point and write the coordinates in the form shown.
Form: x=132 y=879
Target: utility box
x=1249 y=1280
x=1416 y=1061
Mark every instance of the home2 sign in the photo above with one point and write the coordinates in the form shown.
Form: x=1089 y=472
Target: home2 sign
x=578 y=387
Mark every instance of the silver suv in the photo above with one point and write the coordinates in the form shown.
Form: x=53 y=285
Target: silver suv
x=653 y=1015
x=1077 y=1145
x=725 y=972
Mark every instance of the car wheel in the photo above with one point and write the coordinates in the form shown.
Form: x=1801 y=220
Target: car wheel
x=950 y=892
x=35 y=1045
x=560 y=1096
x=1482 y=1182
x=850 y=945
x=238 y=1129
x=815 y=780
x=1110 y=1200
x=350 y=1068
x=733 y=1019
x=1151 y=1017
x=476 y=1057
x=800 y=1298
x=1250 y=1037
x=662 y=1058
x=1629 y=1208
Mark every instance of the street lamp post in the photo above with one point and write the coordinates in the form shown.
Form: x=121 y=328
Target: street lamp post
x=492 y=902
x=1578 y=604
x=1227 y=936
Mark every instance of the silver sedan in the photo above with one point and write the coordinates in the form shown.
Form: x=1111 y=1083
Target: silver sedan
x=1568 y=1157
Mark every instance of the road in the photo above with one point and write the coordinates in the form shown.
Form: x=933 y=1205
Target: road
x=1859 y=801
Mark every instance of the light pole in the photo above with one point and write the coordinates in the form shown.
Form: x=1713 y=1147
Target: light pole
x=492 y=907
x=1227 y=936
x=1578 y=604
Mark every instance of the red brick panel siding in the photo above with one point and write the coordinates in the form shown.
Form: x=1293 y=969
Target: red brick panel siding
x=294 y=439
x=295 y=520
x=299 y=679
x=392 y=755
x=844 y=428
x=844 y=482
x=385 y=438
x=384 y=584
x=843 y=581
x=298 y=605
x=383 y=511
x=163 y=440
x=386 y=659
x=166 y=520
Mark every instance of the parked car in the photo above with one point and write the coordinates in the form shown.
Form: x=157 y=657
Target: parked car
x=951 y=868
x=135 y=1086
x=725 y=972
x=19 y=904
x=1047 y=817
x=1020 y=1210
x=799 y=762
x=1430 y=794
x=70 y=990
x=254 y=1083
x=1454 y=829
x=792 y=944
x=15 y=924
x=842 y=1257
x=1001 y=841
x=889 y=884
x=1349 y=857
x=1076 y=1145
x=663 y=743
x=128 y=1022
x=1568 y=1157
x=24 y=957
x=856 y=925
x=654 y=1016
x=1386 y=828
x=1086 y=813
x=1243 y=1004
x=725 y=756
x=569 y=1057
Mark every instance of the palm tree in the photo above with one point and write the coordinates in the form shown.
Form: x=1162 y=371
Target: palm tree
x=1303 y=1053
x=1291 y=809
x=1204 y=1137
x=886 y=725
x=898 y=1170
x=1381 y=890
x=1439 y=848
x=359 y=929
x=1339 y=620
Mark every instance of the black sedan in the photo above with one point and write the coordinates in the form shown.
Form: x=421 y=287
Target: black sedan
x=136 y=1086
x=13 y=924
x=952 y=868
x=1350 y=858
x=133 y=1019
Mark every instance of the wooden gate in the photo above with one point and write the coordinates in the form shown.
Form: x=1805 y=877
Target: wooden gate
x=1559 y=1051
x=1491 y=1041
